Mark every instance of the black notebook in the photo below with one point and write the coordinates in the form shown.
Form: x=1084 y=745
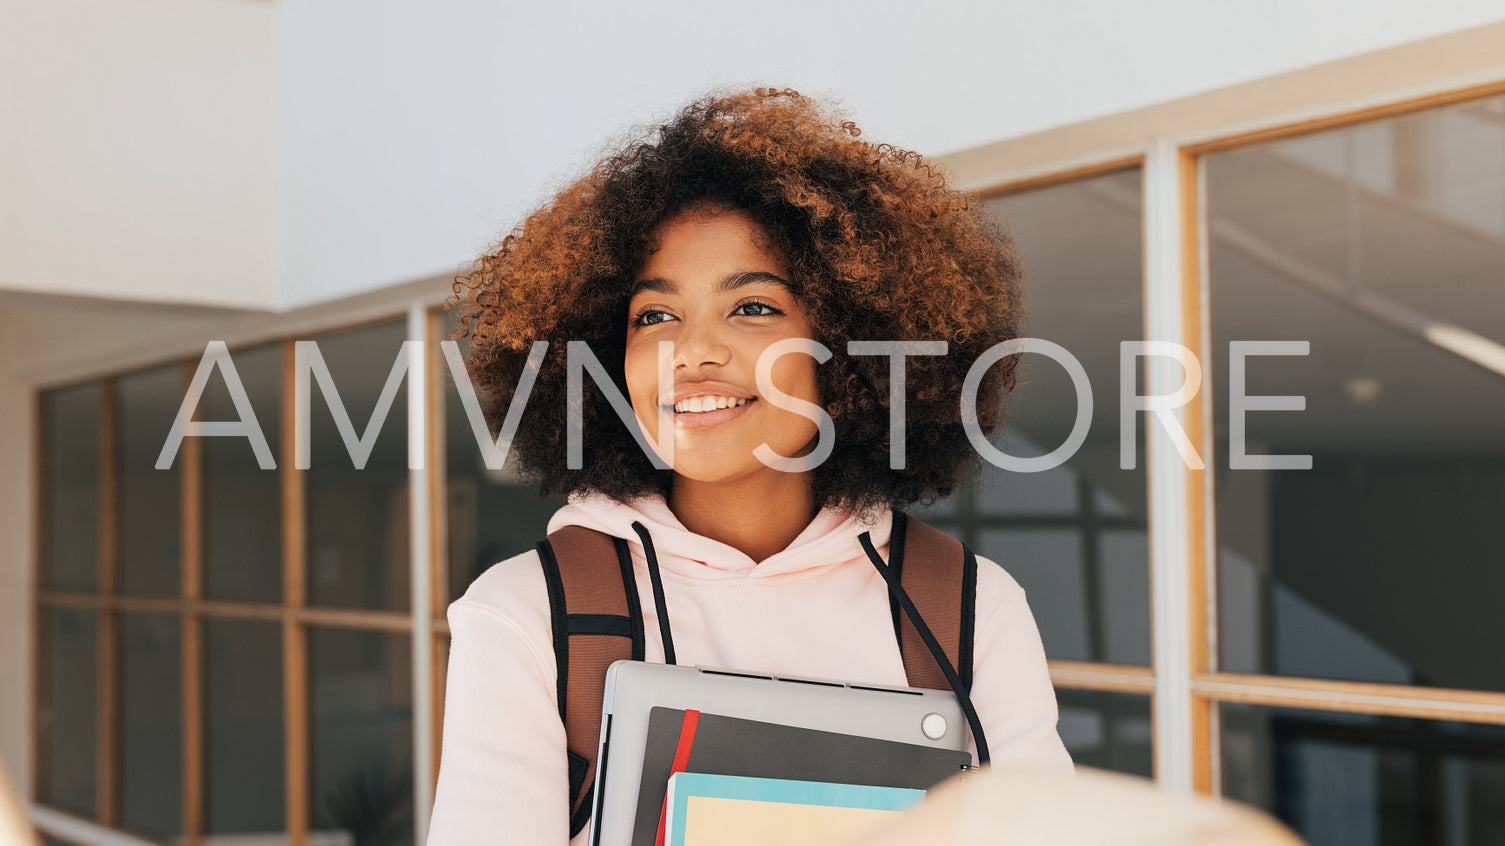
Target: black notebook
x=738 y=747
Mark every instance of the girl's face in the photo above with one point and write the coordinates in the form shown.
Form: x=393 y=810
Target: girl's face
x=714 y=286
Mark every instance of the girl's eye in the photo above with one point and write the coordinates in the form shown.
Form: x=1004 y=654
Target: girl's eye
x=756 y=309
x=650 y=316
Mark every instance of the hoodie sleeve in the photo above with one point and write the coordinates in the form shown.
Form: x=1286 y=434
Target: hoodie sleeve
x=1011 y=686
x=503 y=775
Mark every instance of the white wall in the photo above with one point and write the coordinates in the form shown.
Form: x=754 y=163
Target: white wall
x=271 y=155
x=138 y=157
x=417 y=132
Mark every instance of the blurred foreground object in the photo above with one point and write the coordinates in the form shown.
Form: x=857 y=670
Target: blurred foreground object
x=1095 y=808
x=14 y=827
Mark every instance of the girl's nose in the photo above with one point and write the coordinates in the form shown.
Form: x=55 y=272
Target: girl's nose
x=698 y=347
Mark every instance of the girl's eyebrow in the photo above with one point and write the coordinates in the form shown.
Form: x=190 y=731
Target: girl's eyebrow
x=731 y=282
x=749 y=277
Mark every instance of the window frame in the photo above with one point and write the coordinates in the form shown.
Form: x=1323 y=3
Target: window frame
x=1184 y=681
x=1209 y=686
x=291 y=609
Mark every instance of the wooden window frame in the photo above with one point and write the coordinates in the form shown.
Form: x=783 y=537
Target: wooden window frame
x=1208 y=686
x=1185 y=684
x=193 y=610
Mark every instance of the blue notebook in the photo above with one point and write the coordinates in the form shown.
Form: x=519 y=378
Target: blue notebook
x=719 y=810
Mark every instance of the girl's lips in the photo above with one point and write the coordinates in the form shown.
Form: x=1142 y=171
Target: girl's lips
x=706 y=419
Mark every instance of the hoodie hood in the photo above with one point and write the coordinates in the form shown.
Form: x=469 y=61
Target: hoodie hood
x=829 y=540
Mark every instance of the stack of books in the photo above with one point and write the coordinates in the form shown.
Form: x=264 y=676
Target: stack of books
x=713 y=779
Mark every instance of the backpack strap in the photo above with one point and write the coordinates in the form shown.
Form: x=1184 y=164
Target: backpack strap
x=939 y=573
x=596 y=620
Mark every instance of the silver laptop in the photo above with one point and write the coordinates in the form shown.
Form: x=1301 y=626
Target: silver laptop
x=795 y=728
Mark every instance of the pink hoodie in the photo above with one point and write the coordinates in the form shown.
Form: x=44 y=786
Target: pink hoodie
x=818 y=608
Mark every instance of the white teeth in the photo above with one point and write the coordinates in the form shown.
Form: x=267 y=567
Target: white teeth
x=701 y=404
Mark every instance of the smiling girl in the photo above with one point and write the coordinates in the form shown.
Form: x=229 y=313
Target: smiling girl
x=722 y=299
x=749 y=225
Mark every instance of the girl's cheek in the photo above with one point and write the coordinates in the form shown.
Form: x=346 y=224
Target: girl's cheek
x=640 y=393
x=794 y=377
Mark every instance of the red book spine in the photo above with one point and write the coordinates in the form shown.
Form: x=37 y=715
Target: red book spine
x=681 y=760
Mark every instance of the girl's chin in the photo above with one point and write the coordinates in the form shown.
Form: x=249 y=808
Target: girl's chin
x=720 y=471
x=715 y=474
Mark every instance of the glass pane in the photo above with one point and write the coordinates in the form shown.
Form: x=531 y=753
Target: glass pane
x=1049 y=564
x=1382 y=246
x=150 y=500
x=244 y=742
x=362 y=722
x=1355 y=779
x=492 y=514
x=1073 y=536
x=358 y=519
x=242 y=502
x=151 y=724
x=70 y=431
x=69 y=718
x=1110 y=731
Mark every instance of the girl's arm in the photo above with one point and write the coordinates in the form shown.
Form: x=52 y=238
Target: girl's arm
x=503 y=774
x=1011 y=686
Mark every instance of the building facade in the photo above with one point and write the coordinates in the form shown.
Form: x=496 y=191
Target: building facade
x=1282 y=591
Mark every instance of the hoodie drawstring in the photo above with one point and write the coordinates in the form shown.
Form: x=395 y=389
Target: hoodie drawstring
x=957 y=686
x=658 y=590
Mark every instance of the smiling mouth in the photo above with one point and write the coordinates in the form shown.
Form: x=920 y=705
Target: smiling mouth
x=706 y=412
x=702 y=405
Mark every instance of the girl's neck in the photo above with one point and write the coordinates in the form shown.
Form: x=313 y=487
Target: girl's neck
x=758 y=517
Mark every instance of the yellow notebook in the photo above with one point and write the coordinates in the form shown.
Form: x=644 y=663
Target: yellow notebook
x=716 y=810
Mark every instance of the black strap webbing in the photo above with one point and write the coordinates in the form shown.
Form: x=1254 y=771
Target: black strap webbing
x=558 y=617
x=896 y=563
x=969 y=617
x=596 y=619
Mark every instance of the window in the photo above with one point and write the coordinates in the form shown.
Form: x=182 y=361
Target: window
x=1365 y=778
x=1380 y=245
x=1075 y=537
x=186 y=613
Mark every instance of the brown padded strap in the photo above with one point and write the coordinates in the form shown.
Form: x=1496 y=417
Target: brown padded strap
x=594 y=585
x=932 y=572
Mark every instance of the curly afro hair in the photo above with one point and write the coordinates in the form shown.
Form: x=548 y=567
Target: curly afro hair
x=879 y=248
